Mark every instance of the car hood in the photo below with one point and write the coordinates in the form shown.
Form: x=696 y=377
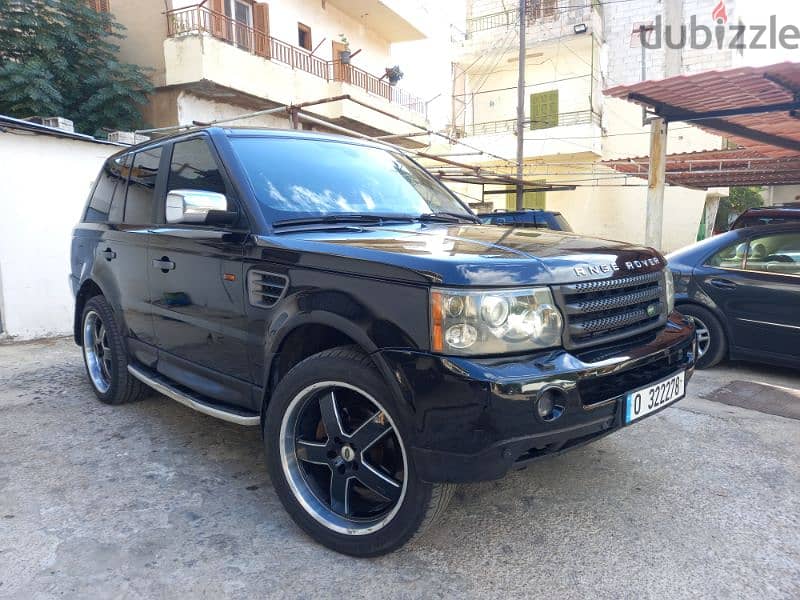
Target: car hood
x=461 y=255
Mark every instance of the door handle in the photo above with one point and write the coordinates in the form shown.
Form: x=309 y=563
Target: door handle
x=164 y=263
x=109 y=254
x=723 y=284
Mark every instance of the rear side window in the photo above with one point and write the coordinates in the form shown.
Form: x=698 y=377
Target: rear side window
x=141 y=187
x=730 y=257
x=108 y=198
x=193 y=168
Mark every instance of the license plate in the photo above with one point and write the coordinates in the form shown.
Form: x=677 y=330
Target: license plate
x=640 y=403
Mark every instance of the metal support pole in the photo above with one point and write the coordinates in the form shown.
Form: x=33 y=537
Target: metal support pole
x=655 y=182
x=521 y=106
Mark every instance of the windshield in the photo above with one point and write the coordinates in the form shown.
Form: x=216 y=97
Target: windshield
x=315 y=178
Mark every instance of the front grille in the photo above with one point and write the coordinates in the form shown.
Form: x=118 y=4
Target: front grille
x=598 y=389
x=607 y=310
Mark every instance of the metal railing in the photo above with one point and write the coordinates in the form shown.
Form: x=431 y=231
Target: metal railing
x=536 y=11
x=200 y=19
x=581 y=117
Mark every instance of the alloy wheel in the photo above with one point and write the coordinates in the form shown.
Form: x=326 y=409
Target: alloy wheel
x=703 y=336
x=96 y=349
x=343 y=458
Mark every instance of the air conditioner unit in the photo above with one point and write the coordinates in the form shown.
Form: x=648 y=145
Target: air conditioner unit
x=58 y=123
x=127 y=137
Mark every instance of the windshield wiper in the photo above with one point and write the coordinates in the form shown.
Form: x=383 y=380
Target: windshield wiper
x=340 y=218
x=449 y=217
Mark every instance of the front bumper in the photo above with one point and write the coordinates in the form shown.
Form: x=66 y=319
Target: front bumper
x=475 y=419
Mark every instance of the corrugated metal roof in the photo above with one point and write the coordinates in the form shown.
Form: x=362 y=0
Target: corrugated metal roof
x=738 y=88
x=717 y=168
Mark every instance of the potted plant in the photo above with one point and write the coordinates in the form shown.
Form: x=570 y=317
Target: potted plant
x=344 y=55
x=394 y=74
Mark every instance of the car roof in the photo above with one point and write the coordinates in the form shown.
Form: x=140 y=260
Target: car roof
x=769 y=210
x=257 y=132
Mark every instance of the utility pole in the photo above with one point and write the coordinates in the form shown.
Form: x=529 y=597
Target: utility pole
x=521 y=106
x=655 y=182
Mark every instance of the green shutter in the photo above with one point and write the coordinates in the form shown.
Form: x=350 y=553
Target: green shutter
x=544 y=110
x=529 y=199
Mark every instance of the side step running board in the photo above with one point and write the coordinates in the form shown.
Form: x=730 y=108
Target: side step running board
x=163 y=386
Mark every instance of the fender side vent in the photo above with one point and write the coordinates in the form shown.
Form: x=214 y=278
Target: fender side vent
x=265 y=289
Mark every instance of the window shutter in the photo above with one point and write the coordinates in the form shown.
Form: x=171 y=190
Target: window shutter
x=261 y=25
x=544 y=110
x=218 y=28
x=103 y=6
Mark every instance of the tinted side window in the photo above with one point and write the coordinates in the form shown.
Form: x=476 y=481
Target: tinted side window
x=730 y=257
x=120 y=169
x=193 y=168
x=106 y=205
x=141 y=187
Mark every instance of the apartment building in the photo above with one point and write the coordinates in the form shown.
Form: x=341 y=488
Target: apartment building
x=574 y=50
x=219 y=59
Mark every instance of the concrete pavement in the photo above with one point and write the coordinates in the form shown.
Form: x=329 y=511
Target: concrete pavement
x=154 y=500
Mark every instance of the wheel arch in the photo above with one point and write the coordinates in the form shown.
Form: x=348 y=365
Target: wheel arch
x=310 y=334
x=88 y=289
x=714 y=311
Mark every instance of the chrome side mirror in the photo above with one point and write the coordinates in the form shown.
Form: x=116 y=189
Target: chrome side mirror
x=193 y=206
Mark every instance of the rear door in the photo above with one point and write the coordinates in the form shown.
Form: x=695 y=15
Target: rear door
x=120 y=247
x=197 y=285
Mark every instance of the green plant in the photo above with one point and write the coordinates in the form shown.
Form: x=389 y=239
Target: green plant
x=343 y=40
x=742 y=198
x=60 y=59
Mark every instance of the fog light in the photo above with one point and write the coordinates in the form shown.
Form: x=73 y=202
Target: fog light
x=545 y=406
x=550 y=404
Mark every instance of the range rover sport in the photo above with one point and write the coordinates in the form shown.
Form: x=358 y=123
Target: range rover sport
x=333 y=293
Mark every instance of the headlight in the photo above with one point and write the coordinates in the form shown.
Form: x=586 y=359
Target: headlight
x=669 y=288
x=475 y=322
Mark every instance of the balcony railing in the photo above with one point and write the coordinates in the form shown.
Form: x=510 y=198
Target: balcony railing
x=200 y=19
x=581 y=117
x=536 y=11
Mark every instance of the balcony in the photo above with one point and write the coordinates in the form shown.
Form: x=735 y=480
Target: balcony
x=202 y=45
x=546 y=21
x=566 y=119
x=498 y=137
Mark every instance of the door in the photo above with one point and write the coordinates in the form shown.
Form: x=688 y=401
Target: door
x=124 y=217
x=197 y=287
x=341 y=71
x=757 y=286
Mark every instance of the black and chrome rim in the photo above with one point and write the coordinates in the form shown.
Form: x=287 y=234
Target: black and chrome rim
x=703 y=336
x=99 y=359
x=343 y=458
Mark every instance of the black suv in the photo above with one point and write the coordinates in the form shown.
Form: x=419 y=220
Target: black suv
x=335 y=294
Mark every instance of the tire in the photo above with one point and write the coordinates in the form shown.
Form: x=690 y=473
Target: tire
x=105 y=355
x=716 y=345
x=340 y=391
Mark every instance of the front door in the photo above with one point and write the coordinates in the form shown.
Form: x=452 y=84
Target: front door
x=197 y=288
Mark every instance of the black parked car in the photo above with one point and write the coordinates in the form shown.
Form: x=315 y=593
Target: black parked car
x=530 y=217
x=742 y=289
x=333 y=293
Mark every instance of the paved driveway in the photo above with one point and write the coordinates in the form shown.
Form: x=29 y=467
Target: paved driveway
x=154 y=500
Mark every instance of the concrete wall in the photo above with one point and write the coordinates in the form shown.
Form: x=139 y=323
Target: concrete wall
x=46 y=181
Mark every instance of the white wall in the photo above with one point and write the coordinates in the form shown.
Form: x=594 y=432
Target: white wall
x=46 y=181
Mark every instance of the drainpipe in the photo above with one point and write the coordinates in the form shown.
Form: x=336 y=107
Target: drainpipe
x=521 y=106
